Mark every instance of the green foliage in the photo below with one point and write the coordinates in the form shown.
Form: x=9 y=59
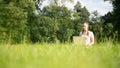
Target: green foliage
x=56 y=12
x=77 y=27
x=42 y=29
x=58 y=2
x=108 y=18
x=102 y=26
x=78 y=7
x=97 y=28
x=13 y=20
x=82 y=12
x=53 y=23
x=116 y=16
x=116 y=10
x=109 y=28
x=38 y=4
x=95 y=18
x=66 y=30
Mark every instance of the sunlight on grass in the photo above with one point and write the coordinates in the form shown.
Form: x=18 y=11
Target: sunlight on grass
x=67 y=55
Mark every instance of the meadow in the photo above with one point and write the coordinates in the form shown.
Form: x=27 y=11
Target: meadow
x=58 y=55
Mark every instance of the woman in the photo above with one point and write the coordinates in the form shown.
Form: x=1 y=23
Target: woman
x=88 y=35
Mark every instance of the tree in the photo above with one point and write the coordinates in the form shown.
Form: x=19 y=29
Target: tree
x=42 y=29
x=108 y=21
x=78 y=7
x=38 y=4
x=84 y=15
x=97 y=29
x=95 y=17
x=108 y=18
x=77 y=26
x=53 y=23
x=66 y=29
x=116 y=9
x=14 y=17
x=116 y=15
x=56 y=12
x=96 y=25
x=82 y=12
x=59 y=2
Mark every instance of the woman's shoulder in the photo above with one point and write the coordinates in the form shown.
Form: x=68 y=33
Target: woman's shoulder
x=80 y=33
x=91 y=33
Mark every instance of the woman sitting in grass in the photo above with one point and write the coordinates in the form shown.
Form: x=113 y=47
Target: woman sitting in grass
x=88 y=35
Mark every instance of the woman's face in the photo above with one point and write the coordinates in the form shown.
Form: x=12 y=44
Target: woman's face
x=85 y=26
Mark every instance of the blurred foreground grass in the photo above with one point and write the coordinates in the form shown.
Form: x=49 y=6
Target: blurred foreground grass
x=104 y=55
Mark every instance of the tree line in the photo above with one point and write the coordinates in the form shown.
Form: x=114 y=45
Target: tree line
x=19 y=23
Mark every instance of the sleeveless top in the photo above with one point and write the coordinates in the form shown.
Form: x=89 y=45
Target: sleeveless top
x=87 y=37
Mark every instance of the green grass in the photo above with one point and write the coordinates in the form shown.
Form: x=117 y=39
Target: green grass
x=104 y=55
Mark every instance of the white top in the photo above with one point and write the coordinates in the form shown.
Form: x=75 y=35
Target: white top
x=87 y=37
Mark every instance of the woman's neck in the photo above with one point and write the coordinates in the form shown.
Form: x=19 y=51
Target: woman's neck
x=85 y=32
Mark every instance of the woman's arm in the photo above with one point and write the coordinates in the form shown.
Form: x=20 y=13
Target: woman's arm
x=92 y=39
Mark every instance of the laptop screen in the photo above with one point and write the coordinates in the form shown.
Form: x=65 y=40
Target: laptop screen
x=78 y=40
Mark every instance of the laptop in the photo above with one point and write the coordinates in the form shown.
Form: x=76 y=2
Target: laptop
x=78 y=40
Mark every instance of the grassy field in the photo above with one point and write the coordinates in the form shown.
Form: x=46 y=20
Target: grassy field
x=104 y=55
